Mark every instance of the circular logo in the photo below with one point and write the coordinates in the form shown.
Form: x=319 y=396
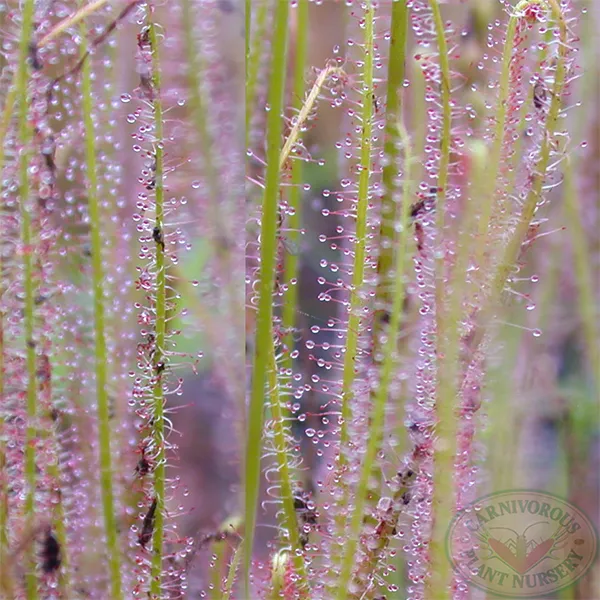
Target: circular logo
x=521 y=543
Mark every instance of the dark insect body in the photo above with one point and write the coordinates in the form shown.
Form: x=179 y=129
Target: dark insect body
x=51 y=558
x=143 y=467
x=36 y=63
x=539 y=95
x=422 y=205
x=158 y=237
x=375 y=103
x=148 y=525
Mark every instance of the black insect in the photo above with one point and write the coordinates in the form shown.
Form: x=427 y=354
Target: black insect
x=384 y=316
x=303 y=509
x=40 y=299
x=148 y=525
x=157 y=236
x=539 y=94
x=406 y=479
x=143 y=467
x=425 y=203
x=51 y=558
x=375 y=103
x=48 y=152
x=417 y=208
x=36 y=63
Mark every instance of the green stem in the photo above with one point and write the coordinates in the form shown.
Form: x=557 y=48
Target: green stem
x=158 y=400
x=7 y=115
x=292 y=260
x=362 y=204
x=101 y=357
x=4 y=577
x=60 y=527
x=447 y=343
x=390 y=255
x=218 y=553
x=289 y=522
x=445 y=389
x=358 y=268
x=266 y=280
x=248 y=18
x=233 y=567
x=304 y=113
x=389 y=204
x=493 y=206
x=388 y=368
x=418 y=113
x=24 y=136
x=445 y=138
x=221 y=550
x=512 y=249
x=3 y=457
x=254 y=46
x=514 y=245
x=438 y=585
x=486 y=201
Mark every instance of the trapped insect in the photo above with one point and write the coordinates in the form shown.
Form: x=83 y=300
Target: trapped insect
x=143 y=466
x=157 y=236
x=426 y=203
x=36 y=63
x=375 y=103
x=148 y=525
x=51 y=554
x=539 y=94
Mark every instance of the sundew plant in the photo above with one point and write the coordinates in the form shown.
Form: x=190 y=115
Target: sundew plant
x=287 y=284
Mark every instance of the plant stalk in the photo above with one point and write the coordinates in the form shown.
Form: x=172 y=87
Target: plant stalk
x=158 y=400
x=266 y=280
x=107 y=474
